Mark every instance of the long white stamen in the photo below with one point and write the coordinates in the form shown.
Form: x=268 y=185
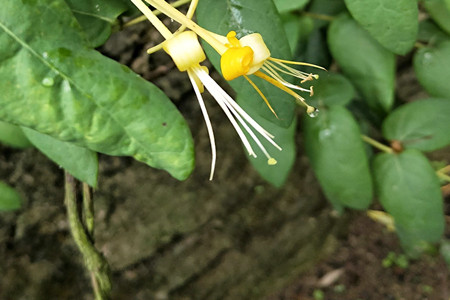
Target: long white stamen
x=231 y=106
x=208 y=123
x=213 y=88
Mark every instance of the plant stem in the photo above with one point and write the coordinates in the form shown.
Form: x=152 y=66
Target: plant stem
x=155 y=12
x=376 y=144
x=93 y=259
x=318 y=16
x=88 y=211
x=443 y=176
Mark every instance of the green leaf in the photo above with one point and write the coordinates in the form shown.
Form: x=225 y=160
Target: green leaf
x=422 y=125
x=288 y=5
x=334 y=146
x=364 y=61
x=432 y=67
x=96 y=17
x=82 y=163
x=331 y=89
x=53 y=84
x=245 y=17
x=9 y=198
x=409 y=191
x=326 y=8
x=12 y=135
x=439 y=10
x=392 y=23
x=285 y=138
x=429 y=32
x=295 y=27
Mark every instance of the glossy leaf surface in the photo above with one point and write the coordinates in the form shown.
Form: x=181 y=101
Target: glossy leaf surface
x=432 y=66
x=409 y=191
x=422 y=125
x=54 y=84
x=393 y=24
x=334 y=146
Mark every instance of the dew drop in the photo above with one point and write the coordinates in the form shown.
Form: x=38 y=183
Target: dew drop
x=171 y=20
x=314 y=113
x=323 y=134
x=45 y=55
x=48 y=81
x=97 y=7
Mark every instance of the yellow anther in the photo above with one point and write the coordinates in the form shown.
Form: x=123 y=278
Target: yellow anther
x=185 y=50
x=271 y=161
x=236 y=61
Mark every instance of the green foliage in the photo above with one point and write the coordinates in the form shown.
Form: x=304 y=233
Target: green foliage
x=439 y=10
x=422 y=125
x=246 y=17
x=409 y=190
x=97 y=17
x=393 y=24
x=82 y=163
x=432 y=66
x=9 y=198
x=333 y=144
x=12 y=135
x=74 y=94
x=364 y=61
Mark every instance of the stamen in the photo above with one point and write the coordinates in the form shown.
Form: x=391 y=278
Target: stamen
x=297 y=63
x=207 y=121
x=261 y=94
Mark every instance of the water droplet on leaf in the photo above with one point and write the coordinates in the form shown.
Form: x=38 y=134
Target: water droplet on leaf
x=313 y=113
x=48 y=81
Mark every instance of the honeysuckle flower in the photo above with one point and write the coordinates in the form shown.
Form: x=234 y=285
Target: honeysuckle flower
x=248 y=56
x=187 y=54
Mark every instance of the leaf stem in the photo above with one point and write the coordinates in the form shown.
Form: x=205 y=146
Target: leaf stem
x=318 y=16
x=88 y=210
x=443 y=176
x=94 y=261
x=155 y=12
x=376 y=144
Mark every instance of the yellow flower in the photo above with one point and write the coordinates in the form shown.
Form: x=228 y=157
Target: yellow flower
x=187 y=53
x=247 y=56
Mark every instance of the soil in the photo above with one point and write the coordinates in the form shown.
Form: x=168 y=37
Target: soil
x=36 y=246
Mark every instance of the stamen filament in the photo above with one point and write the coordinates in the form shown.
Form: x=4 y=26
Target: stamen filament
x=296 y=63
x=261 y=94
x=207 y=121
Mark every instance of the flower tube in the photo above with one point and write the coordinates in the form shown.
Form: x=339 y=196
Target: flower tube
x=248 y=56
x=187 y=54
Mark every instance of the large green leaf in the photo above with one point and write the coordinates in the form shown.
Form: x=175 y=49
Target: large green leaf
x=51 y=82
x=432 y=66
x=409 y=190
x=12 y=135
x=96 y=17
x=82 y=163
x=422 y=125
x=392 y=23
x=364 y=61
x=439 y=10
x=334 y=146
x=326 y=8
x=9 y=198
x=244 y=17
